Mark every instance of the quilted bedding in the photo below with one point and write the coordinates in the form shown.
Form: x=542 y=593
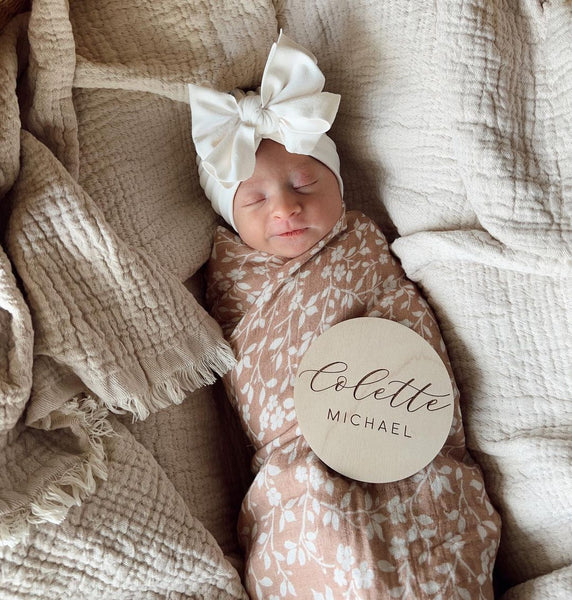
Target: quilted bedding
x=455 y=136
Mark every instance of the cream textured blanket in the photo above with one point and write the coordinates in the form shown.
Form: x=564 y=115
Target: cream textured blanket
x=459 y=115
x=455 y=134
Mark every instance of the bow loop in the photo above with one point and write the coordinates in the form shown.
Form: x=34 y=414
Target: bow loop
x=289 y=107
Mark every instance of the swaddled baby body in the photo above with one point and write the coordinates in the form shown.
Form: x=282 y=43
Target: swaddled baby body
x=300 y=265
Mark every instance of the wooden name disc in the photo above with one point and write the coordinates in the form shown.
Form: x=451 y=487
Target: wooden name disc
x=373 y=400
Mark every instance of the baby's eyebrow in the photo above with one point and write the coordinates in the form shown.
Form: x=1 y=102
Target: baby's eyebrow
x=252 y=182
x=304 y=171
x=307 y=164
x=305 y=161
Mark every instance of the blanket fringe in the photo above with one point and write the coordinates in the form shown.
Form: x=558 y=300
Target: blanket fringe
x=71 y=488
x=174 y=388
x=52 y=504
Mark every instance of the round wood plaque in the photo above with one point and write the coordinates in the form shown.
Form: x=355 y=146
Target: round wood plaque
x=374 y=400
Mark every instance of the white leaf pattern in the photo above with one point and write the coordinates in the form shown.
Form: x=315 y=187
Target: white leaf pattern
x=300 y=522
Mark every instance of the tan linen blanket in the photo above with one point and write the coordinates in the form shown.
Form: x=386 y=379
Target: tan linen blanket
x=94 y=320
x=305 y=528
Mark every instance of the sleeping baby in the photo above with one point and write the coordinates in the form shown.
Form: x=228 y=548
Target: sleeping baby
x=295 y=264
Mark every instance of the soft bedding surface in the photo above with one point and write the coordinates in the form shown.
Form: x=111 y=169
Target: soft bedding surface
x=455 y=134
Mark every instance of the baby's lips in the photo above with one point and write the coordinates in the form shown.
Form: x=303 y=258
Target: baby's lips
x=290 y=230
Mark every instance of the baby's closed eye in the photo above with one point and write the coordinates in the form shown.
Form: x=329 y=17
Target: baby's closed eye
x=304 y=183
x=305 y=189
x=251 y=199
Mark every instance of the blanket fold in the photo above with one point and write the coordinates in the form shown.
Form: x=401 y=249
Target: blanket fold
x=100 y=326
x=106 y=319
x=114 y=547
x=101 y=221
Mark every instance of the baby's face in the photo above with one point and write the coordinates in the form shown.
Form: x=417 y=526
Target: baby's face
x=289 y=204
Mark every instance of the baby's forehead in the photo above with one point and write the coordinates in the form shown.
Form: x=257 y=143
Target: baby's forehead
x=272 y=163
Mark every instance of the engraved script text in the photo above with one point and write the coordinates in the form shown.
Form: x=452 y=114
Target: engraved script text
x=379 y=385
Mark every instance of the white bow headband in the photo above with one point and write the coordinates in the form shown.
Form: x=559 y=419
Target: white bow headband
x=289 y=108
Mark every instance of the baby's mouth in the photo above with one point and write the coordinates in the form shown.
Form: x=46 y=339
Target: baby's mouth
x=292 y=233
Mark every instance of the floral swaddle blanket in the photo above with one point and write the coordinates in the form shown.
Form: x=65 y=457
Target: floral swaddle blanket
x=306 y=530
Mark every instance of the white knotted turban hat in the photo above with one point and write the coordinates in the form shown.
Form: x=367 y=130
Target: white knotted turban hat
x=289 y=108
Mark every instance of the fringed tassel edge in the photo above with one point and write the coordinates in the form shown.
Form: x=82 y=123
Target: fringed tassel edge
x=174 y=388
x=52 y=504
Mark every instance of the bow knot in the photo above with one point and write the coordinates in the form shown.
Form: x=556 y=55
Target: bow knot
x=251 y=112
x=289 y=107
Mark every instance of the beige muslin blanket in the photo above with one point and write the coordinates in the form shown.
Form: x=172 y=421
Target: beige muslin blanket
x=91 y=325
x=306 y=529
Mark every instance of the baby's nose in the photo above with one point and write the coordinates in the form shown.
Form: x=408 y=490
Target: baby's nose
x=286 y=204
